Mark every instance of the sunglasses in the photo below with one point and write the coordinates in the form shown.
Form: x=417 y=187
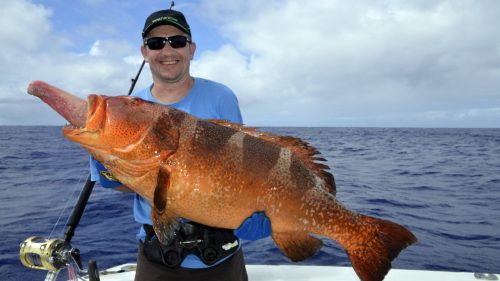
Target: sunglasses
x=158 y=43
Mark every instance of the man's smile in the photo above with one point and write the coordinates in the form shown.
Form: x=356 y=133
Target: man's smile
x=169 y=62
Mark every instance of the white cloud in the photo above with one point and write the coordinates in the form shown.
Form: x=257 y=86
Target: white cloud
x=95 y=50
x=23 y=26
x=327 y=61
x=480 y=112
x=33 y=51
x=112 y=48
x=322 y=62
x=229 y=66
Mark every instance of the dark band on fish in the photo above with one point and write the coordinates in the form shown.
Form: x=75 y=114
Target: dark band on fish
x=300 y=175
x=258 y=157
x=166 y=130
x=211 y=137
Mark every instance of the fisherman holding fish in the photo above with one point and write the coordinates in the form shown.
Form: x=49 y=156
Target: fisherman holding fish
x=207 y=182
x=197 y=252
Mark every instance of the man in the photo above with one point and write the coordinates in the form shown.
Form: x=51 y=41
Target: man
x=199 y=252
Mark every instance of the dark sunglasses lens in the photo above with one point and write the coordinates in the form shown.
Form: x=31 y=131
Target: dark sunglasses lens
x=156 y=43
x=177 y=41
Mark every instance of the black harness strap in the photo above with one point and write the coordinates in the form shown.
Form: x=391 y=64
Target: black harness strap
x=210 y=244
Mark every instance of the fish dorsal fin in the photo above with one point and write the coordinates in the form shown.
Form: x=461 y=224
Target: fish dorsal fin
x=307 y=153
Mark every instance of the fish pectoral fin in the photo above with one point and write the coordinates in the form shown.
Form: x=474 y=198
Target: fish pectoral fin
x=297 y=246
x=165 y=222
x=162 y=186
x=166 y=225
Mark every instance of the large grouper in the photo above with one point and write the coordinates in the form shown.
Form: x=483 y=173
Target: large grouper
x=218 y=174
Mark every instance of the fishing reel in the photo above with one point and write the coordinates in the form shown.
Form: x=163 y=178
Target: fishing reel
x=48 y=254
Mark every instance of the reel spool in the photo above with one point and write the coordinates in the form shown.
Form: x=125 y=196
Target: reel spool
x=48 y=254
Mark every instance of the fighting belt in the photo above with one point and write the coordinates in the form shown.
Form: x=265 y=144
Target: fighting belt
x=209 y=244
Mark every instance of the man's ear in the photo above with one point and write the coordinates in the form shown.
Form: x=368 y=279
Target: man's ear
x=192 y=49
x=144 y=53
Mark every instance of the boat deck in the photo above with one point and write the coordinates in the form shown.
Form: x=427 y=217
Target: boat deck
x=126 y=272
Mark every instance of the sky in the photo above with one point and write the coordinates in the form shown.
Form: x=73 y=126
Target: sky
x=328 y=63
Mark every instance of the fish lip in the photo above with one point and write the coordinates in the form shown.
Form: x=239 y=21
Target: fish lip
x=96 y=109
x=95 y=105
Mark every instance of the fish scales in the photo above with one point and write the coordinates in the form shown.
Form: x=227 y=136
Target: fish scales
x=217 y=173
x=258 y=158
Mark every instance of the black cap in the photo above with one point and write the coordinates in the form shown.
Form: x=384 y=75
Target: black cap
x=166 y=17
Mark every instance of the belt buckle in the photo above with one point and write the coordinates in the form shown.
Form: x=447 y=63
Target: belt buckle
x=190 y=244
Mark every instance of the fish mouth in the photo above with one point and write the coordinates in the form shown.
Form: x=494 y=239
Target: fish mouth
x=96 y=111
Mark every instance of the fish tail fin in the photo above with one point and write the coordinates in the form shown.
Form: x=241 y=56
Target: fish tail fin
x=380 y=242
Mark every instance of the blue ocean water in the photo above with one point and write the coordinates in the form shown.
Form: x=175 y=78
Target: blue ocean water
x=443 y=184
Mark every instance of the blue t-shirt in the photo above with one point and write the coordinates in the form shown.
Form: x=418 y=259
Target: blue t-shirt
x=207 y=100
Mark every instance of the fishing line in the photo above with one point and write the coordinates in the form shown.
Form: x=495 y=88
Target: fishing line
x=66 y=206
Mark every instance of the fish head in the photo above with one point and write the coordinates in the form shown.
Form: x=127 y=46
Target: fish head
x=117 y=126
x=131 y=137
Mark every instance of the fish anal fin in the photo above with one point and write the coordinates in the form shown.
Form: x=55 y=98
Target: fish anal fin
x=297 y=246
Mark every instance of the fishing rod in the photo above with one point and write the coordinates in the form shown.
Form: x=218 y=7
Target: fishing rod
x=53 y=255
x=134 y=80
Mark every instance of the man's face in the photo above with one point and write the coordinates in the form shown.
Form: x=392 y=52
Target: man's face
x=168 y=65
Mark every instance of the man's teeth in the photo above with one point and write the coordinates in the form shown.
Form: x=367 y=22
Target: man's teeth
x=170 y=62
